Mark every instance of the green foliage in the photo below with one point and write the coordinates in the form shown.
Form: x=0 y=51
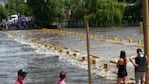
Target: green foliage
x=105 y=12
x=17 y=7
x=45 y=13
x=78 y=9
x=11 y=7
x=3 y=12
x=100 y=12
x=24 y=10
x=133 y=12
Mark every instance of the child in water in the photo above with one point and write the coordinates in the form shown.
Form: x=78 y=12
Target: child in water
x=21 y=75
x=62 y=78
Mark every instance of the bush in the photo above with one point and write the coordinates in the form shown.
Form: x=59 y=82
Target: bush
x=3 y=12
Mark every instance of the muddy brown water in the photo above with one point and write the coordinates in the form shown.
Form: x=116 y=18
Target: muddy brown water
x=44 y=68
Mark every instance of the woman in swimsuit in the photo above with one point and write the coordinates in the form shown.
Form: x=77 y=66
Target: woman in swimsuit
x=121 y=65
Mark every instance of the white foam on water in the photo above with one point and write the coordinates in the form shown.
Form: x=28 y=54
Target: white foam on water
x=98 y=71
x=74 y=62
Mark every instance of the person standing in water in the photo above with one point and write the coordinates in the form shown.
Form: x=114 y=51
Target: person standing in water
x=121 y=65
x=139 y=61
x=62 y=76
x=21 y=76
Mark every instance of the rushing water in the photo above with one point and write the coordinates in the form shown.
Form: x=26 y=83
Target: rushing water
x=43 y=64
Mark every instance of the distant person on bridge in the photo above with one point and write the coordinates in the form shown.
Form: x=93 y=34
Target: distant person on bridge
x=62 y=78
x=139 y=61
x=121 y=65
x=21 y=75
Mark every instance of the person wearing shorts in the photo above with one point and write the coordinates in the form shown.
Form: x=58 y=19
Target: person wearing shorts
x=139 y=62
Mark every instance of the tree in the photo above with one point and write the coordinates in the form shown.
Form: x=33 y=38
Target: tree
x=133 y=13
x=45 y=13
x=77 y=9
x=3 y=12
x=23 y=9
x=105 y=12
x=17 y=7
x=101 y=12
x=11 y=7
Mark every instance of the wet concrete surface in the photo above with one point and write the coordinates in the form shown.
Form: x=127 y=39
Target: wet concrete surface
x=44 y=65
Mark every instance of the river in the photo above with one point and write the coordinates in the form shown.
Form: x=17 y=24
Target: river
x=19 y=50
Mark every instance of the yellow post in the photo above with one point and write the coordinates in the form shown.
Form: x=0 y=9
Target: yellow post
x=94 y=61
x=51 y=46
x=75 y=54
x=107 y=37
x=67 y=52
x=60 y=31
x=95 y=37
x=130 y=40
x=61 y=50
x=81 y=35
x=46 y=45
x=122 y=41
x=83 y=58
x=55 y=48
x=77 y=33
x=115 y=38
x=106 y=66
x=139 y=42
x=37 y=42
x=100 y=37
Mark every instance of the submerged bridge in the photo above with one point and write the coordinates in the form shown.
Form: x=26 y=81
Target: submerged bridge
x=44 y=53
